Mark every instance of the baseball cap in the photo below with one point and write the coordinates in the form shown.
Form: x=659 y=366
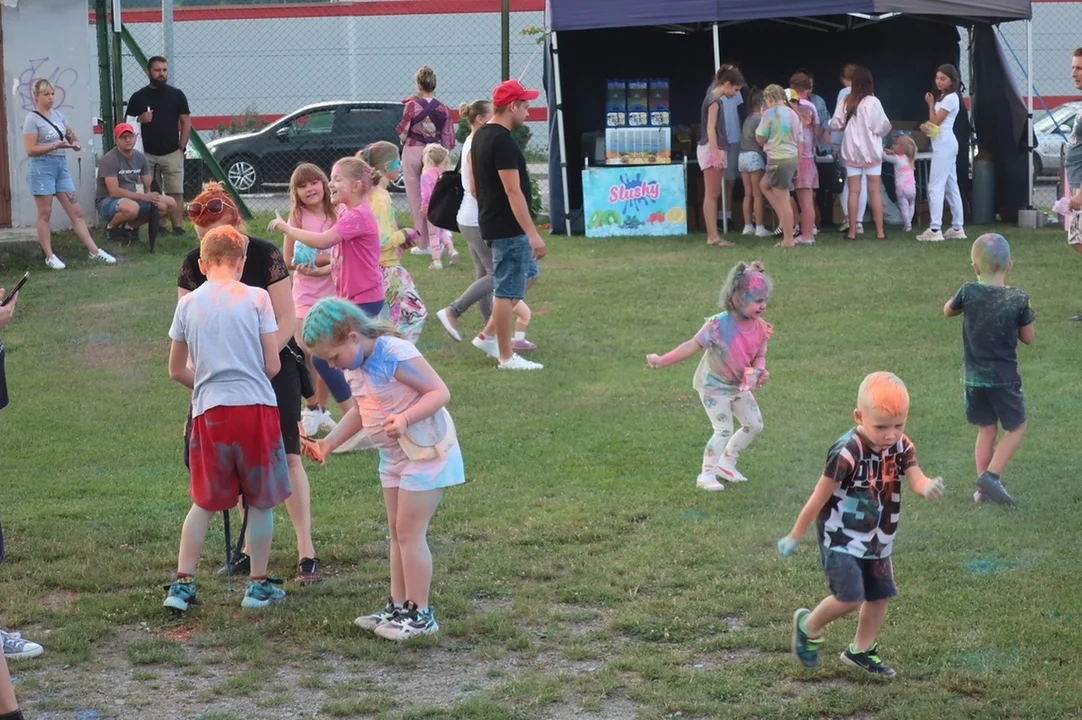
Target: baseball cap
x=123 y=128
x=511 y=91
x=791 y=94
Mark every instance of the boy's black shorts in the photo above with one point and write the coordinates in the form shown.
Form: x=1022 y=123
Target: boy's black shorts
x=852 y=579
x=1003 y=405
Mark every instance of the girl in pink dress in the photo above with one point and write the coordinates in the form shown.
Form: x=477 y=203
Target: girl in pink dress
x=733 y=365
x=904 y=158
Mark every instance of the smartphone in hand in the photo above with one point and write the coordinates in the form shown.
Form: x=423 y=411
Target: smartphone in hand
x=18 y=286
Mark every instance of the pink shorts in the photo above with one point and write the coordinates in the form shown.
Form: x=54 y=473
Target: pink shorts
x=708 y=161
x=807 y=175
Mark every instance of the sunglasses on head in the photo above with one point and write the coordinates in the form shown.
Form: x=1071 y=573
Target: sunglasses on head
x=214 y=206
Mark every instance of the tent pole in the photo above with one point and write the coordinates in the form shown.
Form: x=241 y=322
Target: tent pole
x=1029 y=107
x=560 y=130
x=717 y=64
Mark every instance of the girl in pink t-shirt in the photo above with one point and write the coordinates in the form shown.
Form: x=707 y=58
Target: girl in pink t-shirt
x=439 y=240
x=733 y=365
x=355 y=237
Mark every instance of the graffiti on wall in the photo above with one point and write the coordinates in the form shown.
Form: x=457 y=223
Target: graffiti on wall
x=61 y=78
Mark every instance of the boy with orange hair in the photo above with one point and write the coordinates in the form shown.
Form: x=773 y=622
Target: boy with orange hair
x=228 y=329
x=856 y=505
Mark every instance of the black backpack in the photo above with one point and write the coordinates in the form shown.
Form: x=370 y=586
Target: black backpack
x=446 y=199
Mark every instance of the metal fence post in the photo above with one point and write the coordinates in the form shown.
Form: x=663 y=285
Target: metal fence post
x=105 y=84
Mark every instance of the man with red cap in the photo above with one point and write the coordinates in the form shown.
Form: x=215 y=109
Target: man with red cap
x=501 y=185
x=117 y=198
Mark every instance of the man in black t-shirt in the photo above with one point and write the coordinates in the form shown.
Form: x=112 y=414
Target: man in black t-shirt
x=165 y=123
x=501 y=185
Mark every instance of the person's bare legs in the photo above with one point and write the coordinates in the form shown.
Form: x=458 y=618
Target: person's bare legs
x=757 y=199
x=868 y=625
x=779 y=200
x=8 y=702
x=711 y=192
x=70 y=203
x=986 y=447
x=398 y=578
x=176 y=212
x=748 y=194
x=853 y=183
x=299 y=507
x=260 y=534
x=415 y=510
x=44 y=204
x=826 y=612
x=192 y=535
x=875 y=199
x=1006 y=448
x=805 y=197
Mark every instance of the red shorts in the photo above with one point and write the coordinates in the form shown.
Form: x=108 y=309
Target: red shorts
x=235 y=451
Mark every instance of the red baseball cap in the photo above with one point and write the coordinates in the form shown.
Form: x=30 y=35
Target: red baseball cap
x=511 y=91
x=123 y=128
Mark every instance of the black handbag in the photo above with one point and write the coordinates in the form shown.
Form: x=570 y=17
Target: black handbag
x=447 y=199
x=3 y=380
x=308 y=388
x=840 y=177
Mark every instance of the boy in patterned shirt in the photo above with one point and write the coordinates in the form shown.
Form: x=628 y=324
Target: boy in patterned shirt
x=856 y=505
x=995 y=318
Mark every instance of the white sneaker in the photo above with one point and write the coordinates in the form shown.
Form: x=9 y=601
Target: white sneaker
x=517 y=362
x=815 y=231
x=762 y=232
x=104 y=257
x=54 y=262
x=727 y=469
x=326 y=422
x=748 y=230
x=709 y=483
x=16 y=648
x=451 y=329
x=488 y=346
x=419 y=251
x=436 y=265
x=860 y=228
x=455 y=257
x=931 y=235
x=310 y=421
x=360 y=441
x=955 y=234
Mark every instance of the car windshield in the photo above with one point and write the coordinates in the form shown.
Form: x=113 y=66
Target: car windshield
x=1046 y=122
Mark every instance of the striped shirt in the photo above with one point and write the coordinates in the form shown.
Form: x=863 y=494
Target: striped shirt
x=861 y=517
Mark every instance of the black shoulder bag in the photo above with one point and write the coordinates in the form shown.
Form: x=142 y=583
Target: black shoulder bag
x=447 y=199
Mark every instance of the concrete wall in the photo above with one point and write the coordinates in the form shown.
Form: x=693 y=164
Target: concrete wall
x=48 y=38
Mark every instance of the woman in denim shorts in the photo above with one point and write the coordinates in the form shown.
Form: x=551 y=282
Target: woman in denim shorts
x=46 y=135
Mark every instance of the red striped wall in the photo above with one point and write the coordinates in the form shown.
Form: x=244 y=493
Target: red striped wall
x=356 y=9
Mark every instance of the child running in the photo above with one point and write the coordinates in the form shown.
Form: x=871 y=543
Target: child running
x=407 y=310
x=401 y=401
x=904 y=158
x=311 y=209
x=856 y=506
x=439 y=240
x=733 y=365
x=780 y=132
x=752 y=165
x=228 y=330
x=995 y=318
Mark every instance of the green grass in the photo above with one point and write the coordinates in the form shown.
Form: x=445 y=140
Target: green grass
x=579 y=568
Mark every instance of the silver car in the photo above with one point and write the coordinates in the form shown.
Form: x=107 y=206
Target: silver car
x=1052 y=127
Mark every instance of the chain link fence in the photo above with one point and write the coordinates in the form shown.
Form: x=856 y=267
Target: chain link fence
x=270 y=86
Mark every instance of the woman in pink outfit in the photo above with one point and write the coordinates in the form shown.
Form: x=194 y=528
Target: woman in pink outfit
x=424 y=120
x=865 y=124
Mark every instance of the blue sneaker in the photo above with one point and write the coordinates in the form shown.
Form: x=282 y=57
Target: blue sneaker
x=181 y=595
x=805 y=647
x=992 y=487
x=262 y=594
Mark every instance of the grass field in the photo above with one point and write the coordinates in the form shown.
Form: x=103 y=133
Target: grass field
x=579 y=572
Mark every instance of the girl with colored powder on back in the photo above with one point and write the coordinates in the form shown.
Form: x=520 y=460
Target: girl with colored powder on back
x=733 y=365
x=407 y=311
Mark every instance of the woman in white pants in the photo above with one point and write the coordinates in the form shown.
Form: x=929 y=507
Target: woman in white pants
x=943 y=108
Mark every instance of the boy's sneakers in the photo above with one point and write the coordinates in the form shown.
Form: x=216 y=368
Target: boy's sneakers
x=373 y=621
x=15 y=648
x=181 y=594
x=517 y=362
x=103 y=257
x=53 y=262
x=991 y=486
x=867 y=660
x=727 y=469
x=240 y=565
x=411 y=622
x=805 y=647
x=261 y=594
x=709 y=482
x=931 y=235
x=118 y=234
x=955 y=234
x=308 y=571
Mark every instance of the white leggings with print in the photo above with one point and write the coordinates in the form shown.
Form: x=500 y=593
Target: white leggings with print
x=721 y=407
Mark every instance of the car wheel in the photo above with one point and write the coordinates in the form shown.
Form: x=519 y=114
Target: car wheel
x=399 y=185
x=1038 y=166
x=243 y=173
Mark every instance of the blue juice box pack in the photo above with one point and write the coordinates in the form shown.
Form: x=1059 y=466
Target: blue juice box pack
x=616 y=104
x=638 y=103
x=659 y=103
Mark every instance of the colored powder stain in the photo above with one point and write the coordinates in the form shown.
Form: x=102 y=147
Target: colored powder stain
x=987 y=659
x=987 y=566
x=993 y=252
x=87 y=715
x=693 y=514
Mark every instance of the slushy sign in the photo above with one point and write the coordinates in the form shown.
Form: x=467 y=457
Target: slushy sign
x=640 y=200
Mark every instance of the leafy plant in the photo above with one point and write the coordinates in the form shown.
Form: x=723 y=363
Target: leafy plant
x=249 y=121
